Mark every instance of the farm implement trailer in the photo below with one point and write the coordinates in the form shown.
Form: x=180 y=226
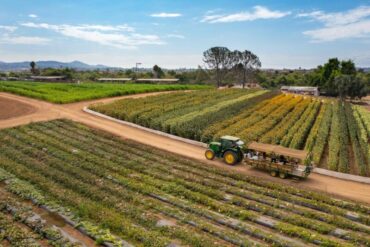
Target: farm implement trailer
x=279 y=161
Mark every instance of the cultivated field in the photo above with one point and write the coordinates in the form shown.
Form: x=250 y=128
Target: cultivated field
x=70 y=92
x=153 y=198
x=336 y=133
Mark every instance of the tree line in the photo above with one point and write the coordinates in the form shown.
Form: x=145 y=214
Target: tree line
x=224 y=67
x=334 y=78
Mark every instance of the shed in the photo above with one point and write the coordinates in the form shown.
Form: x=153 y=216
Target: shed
x=48 y=78
x=157 y=80
x=301 y=90
x=114 y=79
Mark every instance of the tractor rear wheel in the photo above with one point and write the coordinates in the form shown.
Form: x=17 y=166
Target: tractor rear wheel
x=210 y=154
x=230 y=158
x=274 y=173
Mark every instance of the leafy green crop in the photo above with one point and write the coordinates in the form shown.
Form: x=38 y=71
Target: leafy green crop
x=71 y=92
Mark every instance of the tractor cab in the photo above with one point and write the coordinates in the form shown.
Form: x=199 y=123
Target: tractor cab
x=229 y=148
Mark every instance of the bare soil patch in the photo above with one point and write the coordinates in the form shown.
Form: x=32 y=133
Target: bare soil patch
x=11 y=108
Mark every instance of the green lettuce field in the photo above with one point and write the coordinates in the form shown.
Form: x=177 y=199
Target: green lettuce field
x=71 y=92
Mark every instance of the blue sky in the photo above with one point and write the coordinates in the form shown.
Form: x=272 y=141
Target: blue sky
x=172 y=34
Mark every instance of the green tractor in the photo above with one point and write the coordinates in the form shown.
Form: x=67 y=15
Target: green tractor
x=229 y=148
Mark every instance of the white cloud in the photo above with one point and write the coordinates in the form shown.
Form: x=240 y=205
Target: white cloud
x=23 y=40
x=166 y=15
x=107 y=28
x=32 y=16
x=105 y=35
x=103 y=28
x=259 y=12
x=339 y=18
x=176 y=36
x=8 y=28
x=331 y=33
x=354 y=23
x=8 y=37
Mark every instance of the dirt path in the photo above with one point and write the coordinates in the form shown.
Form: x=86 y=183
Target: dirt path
x=47 y=111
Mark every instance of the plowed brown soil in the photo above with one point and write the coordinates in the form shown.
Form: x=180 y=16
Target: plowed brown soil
x=47 y=111
x=12 y=108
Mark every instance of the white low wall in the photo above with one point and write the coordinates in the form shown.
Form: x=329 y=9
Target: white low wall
x=201 y=144
x=157 y=132
x=340 y=175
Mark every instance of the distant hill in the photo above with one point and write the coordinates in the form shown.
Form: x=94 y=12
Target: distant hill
x=365 y=69
x=18 y=66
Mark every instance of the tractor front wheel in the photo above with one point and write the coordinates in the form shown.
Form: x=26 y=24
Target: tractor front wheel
x=210 y=154
x=230 y=158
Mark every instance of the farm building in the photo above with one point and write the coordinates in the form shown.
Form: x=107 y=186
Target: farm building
x=9 y=78
x=48 y=78
x=114 y=79
x=301 y=90
x=151 y=80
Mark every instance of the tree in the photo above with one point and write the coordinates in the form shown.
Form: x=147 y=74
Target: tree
x=358 y=88
x=348 y=67
x=350 y=86
x=328 y=73
x=341 y=85
x=172 y=73
x=219 y=60
x=245 y=63
x=33 y=67
x=129 y=72
x=238 y=70
x=157 y=71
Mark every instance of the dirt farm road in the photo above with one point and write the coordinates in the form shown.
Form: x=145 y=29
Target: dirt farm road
x=43 y=111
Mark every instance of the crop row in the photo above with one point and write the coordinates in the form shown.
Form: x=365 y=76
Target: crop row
x=303 y=126
x=319 y=134
x=16 y=189
x=15 y=234
x=364 y=116
x=21 y=227
x=71 y=92
x=298 y=122
x=255 y=205
x=89 y=170
x=279 y=132
x=145 y=190
x=184 y=114
x=79 y=131
x=338 y=143
x=359 y=144
x=362 y=119
x=137 y=214
x=269 y=114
